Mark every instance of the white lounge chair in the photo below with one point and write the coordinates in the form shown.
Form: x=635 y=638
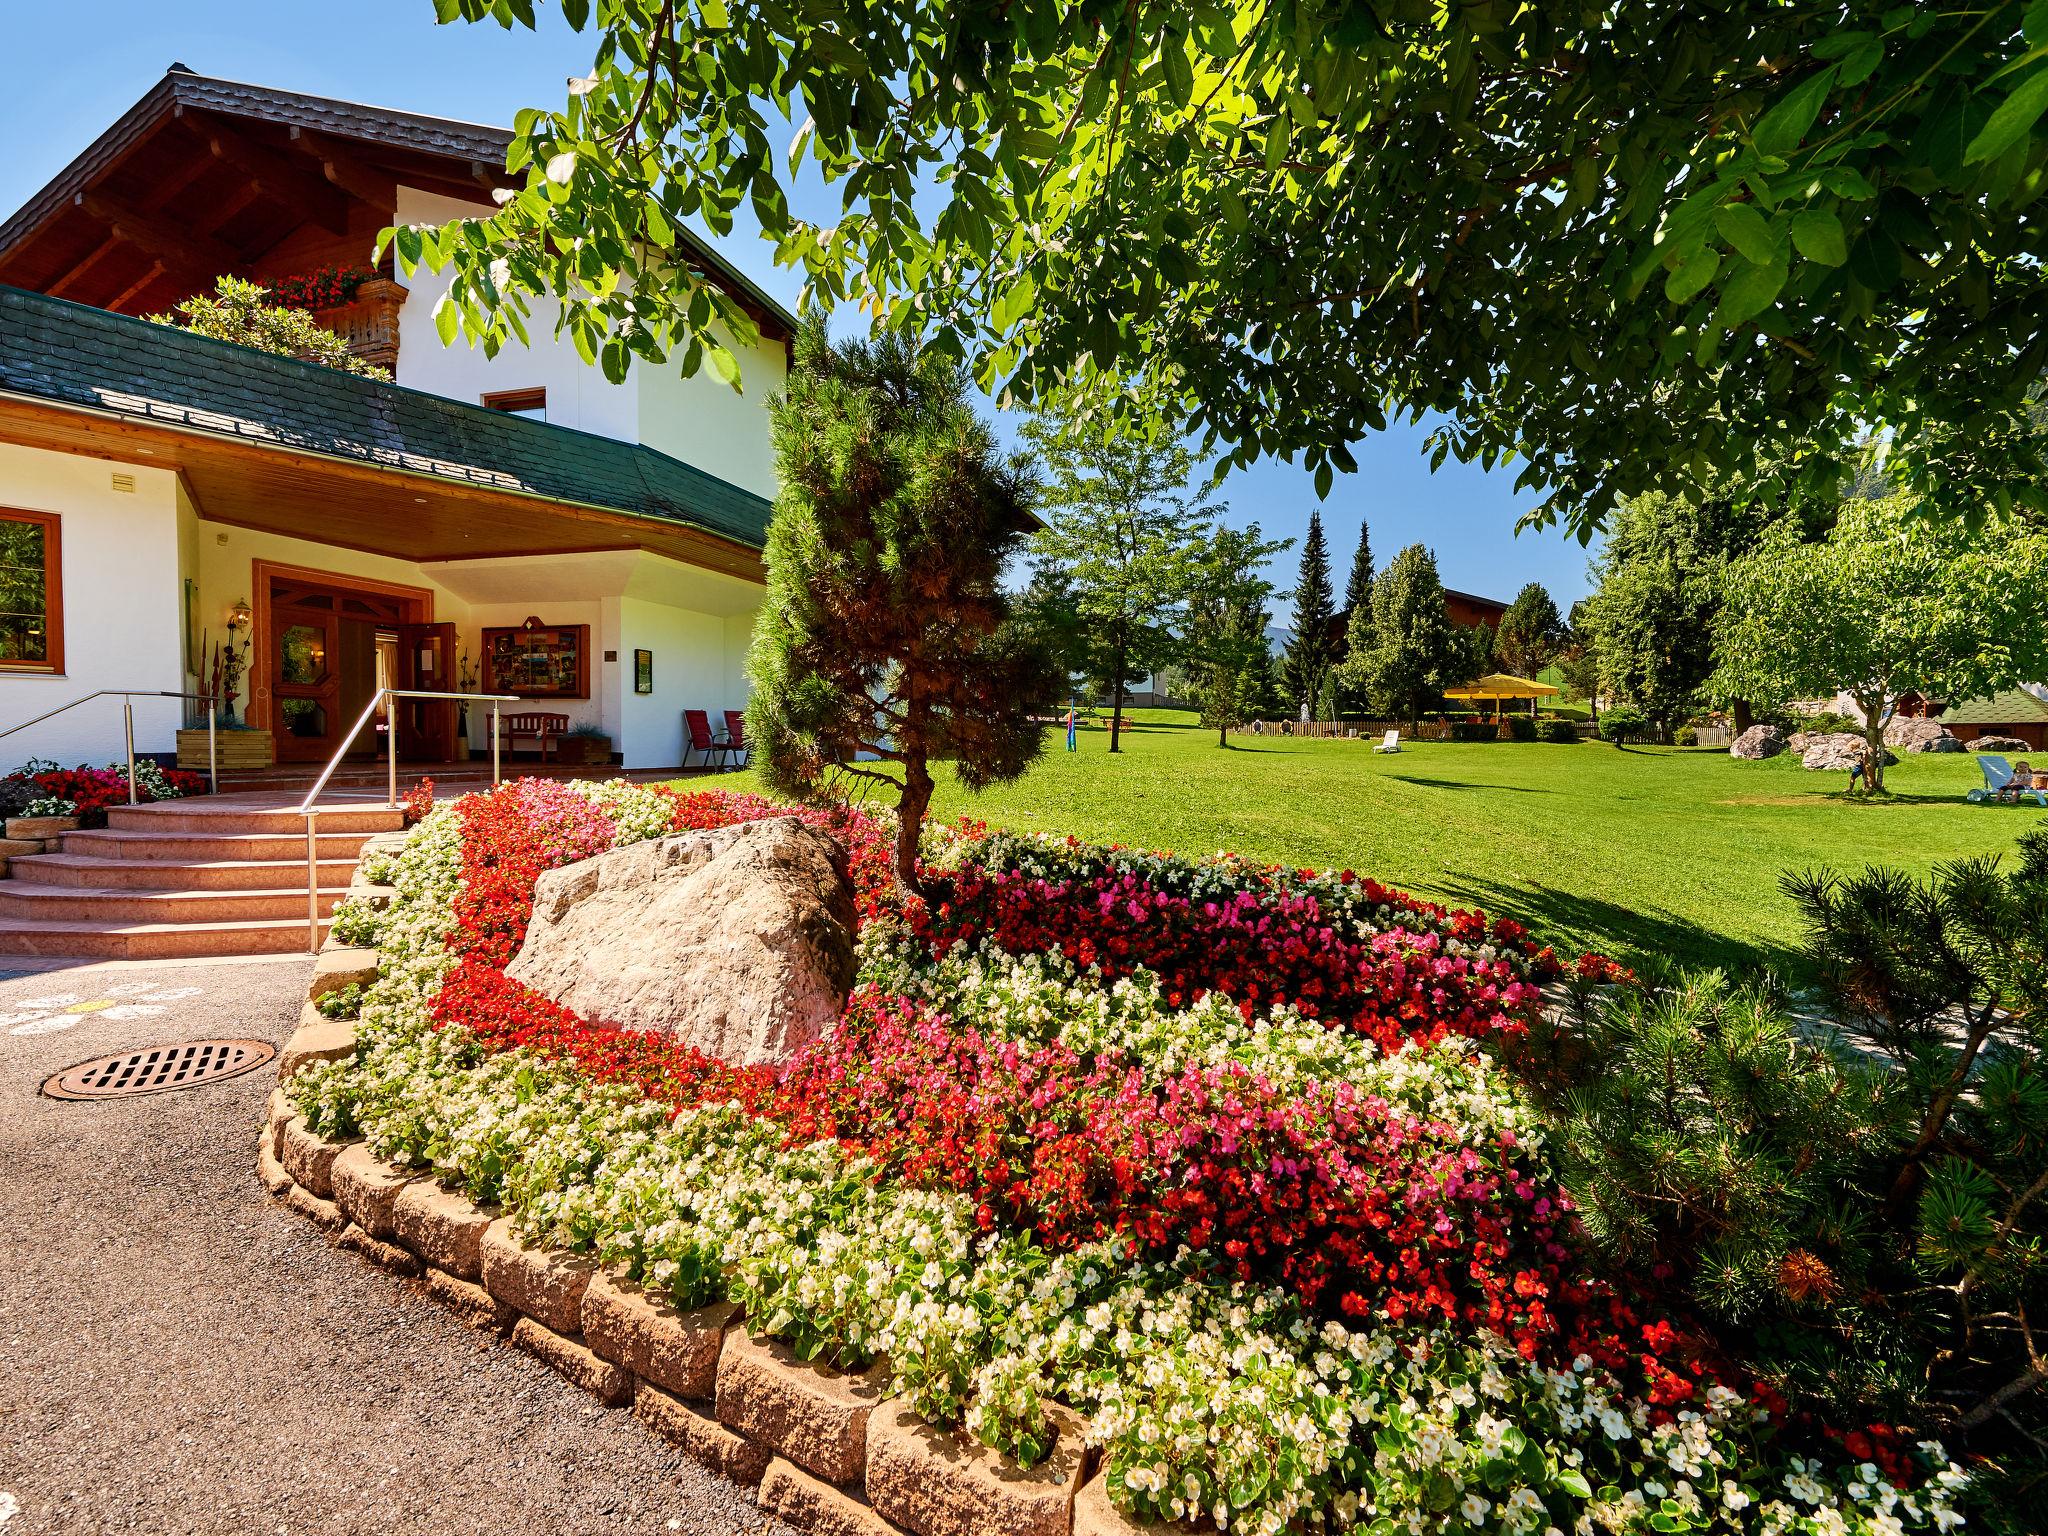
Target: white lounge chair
x=1997 y=774
x=1393 y=743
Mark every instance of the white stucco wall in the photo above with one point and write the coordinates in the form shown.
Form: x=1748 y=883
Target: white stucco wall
x=698 y=420
x=702 y=422
x=122 y=585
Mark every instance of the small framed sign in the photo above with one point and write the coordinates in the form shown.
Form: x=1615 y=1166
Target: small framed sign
x=643 y=671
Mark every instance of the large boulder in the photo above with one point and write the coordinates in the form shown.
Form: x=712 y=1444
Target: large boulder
x=1917 y=733
x=738 y=941
x=1836 y=750
x=1758 y=741
x=2002 y=744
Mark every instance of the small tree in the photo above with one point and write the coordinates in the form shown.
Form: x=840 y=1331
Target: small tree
x=1889 y=603
x=1226 y=651
x=237 y=310
x=1310 y=654
x=1416 y=651
x=885 y=637
x=1125 y=528
x=1531 y=632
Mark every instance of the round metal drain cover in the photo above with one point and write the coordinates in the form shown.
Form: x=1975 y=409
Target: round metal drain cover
x=159 y=1069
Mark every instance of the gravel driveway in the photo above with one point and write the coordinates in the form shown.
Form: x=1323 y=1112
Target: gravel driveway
x=179 y=1355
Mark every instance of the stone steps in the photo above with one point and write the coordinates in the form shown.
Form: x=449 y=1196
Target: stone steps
x=70 y=903
x=212 y=847
x=226 y=874
x=151 y=941
x=184 y=879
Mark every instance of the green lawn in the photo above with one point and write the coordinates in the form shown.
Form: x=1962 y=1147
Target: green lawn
x=1639 y=852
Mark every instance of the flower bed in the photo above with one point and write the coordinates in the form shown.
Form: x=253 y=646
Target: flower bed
x=1290 y=1274
x=90 y=791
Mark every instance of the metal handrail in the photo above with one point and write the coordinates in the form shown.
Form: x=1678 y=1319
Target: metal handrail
x=309 y=807
x=128 y=726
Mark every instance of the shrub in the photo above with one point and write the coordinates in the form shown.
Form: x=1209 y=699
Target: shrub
x=1560 y=731
x=1522 y=728
x=1474 y=730
x=1686 y=736
x=1866 y=1224
x=1624 y=722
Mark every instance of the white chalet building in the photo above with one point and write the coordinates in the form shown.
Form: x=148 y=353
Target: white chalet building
x=592 y=547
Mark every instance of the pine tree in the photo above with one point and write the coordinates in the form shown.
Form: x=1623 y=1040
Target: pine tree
x=886 y=637
x=1358 y=590
x=1309 y=653
x=1531 y=632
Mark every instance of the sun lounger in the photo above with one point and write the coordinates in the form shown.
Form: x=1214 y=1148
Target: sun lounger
x=1391 y=744
x=1997 y=775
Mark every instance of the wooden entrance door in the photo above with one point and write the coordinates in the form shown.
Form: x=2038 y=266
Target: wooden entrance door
x=318 y=638
x=427 y=662
x=305 y=668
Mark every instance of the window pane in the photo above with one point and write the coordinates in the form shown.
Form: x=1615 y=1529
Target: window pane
x=24 y=630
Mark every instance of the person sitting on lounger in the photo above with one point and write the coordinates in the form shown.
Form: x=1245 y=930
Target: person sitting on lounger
x=2021 y=782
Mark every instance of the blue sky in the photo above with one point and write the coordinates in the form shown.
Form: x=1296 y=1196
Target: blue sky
x=390 y=52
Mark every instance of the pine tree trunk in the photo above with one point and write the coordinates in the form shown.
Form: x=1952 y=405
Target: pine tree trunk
x=1116 y=691
x=911 y=806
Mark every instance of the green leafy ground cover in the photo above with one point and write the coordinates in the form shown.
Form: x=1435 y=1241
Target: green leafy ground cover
x=1644 y=853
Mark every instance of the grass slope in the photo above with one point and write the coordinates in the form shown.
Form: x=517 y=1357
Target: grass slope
x=1642 y=853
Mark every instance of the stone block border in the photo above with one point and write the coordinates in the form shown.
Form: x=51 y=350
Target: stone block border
x=827 y=1452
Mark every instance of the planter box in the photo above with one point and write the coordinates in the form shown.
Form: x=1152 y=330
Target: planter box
x=238 y=749
x=586 y=751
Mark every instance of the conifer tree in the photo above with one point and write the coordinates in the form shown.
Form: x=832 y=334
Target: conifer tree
x=1309 y=653
x=886 y=641
x=1358 y=590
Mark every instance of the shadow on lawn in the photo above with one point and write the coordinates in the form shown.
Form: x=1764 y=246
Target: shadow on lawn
x=1636 y=938
x=1492 y=789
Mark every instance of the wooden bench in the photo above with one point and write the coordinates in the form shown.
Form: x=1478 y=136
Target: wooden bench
x=544 y=731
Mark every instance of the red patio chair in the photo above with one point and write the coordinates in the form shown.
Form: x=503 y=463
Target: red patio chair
x=697 y=738
x=736 y=736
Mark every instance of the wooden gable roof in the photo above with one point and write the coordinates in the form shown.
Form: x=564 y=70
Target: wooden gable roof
x=204 y=177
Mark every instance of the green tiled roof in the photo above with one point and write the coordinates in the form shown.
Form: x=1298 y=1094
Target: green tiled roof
x=74 y=355
x=2014 y=706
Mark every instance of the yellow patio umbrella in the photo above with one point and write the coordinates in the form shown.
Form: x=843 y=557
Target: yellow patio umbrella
x=1502 y=685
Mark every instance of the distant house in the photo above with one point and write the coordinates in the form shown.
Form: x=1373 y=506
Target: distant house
x=1472 y=610
x=1465 y=608
x=2012 y=712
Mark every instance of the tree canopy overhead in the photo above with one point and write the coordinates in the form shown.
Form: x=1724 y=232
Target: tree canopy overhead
x=1278 y=222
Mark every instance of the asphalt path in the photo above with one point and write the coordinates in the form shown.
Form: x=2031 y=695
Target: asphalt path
x=179 y=1354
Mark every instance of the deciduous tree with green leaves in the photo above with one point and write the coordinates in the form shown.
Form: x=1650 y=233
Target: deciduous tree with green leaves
x=886 y=642
x=239 y=311
x=1125 y=522
x=1774 y=221
x=1225 y=648
x=1415 y=651
x=1889 y=603
x=1652 y=617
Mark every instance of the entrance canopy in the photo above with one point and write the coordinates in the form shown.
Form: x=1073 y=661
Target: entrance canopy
x=1501 y=685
